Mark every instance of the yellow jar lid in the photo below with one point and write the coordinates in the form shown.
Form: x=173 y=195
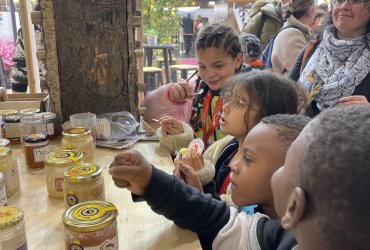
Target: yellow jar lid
x=76 y=132
x=7 y=112
x=63 y=158
x=5 y=152
x=10 y=216
x=4 y=142
x=82 y=172
x=90 y=216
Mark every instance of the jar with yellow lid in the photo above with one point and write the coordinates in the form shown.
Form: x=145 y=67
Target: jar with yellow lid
x=83 y=182
x=56 y=163
x=91 y=225
x=36 y=147
x=79 y=139
x=12 y=229
x=9 y=167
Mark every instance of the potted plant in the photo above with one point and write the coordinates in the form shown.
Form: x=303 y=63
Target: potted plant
x=151 y=36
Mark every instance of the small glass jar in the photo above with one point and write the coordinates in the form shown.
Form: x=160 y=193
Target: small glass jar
x=33 y=123
x=9 y=167
x=83 y=182
x=91 y=225
x=3 y=199
x=56 y=163
x=49 y=118
x=36 y=147
x=79 y=139
x=12 y=131
x=12 y=229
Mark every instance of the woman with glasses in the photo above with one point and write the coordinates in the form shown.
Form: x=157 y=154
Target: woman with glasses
x=247 y=97
x=335 y=70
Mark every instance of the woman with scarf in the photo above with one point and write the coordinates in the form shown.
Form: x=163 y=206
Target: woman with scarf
x=335 y=69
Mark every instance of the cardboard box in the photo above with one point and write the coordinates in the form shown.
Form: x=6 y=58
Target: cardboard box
x=26 y=101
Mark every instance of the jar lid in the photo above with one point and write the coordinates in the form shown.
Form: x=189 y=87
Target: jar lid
x=90 y=216
x=49 y=115
x=82 y=172
x=4 y=142
x=76 y=132
x=7 y=112
x=10 y=216
x=32 y=118
x=5 y=152
x=12 y=118
x=29 y=111
x=34 y=138
x=63 y=158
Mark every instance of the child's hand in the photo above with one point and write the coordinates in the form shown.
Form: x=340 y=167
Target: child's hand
x=354 y=100
x=170 y=125
x=193 y=159
x=181 y=91
x=131 y=170
x=188 y=175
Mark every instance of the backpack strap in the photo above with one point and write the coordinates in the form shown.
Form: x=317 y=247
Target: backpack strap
x=263 y=20
x=309 y=46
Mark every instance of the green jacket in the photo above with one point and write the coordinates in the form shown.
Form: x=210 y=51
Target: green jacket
x=265 y=23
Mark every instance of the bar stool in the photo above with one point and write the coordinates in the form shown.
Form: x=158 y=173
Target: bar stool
x=152 y=78
x=183 y=68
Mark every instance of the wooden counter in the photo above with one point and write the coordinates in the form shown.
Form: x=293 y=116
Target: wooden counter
x=139 y=227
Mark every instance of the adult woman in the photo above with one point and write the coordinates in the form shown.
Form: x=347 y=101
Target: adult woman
x=336 y=69
x=288 y=42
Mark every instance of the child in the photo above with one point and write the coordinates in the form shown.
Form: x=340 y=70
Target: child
x=248 y=97
x=220 y=56
x=320 y=193
x=251 y=47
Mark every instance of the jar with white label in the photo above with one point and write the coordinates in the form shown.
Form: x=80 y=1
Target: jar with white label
x=49 y=118
x=56 y=163
x=79 y=139
x=83 y=182
x=12 y=129
x=3 y=199
x=33 y=123
x=91 y=225
x=9 y=167
x=12 y=229
x=36 y=147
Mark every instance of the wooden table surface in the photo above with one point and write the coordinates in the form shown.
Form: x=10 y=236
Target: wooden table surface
x=139 y=227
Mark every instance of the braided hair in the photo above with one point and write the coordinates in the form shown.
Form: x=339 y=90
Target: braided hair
x=220 y=36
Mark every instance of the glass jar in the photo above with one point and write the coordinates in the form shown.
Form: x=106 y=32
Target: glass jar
x=3 y=199
x=9 y=167
x=4 y=143
x=32 y=124
x=36 y=147
x=12 y=131
x=83 y=182
x=91 y=225
x=12 y=229
x=49 y=118
x=79 y=139
x=56 y=163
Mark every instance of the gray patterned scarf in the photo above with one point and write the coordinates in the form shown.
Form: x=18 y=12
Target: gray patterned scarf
x=336 y=68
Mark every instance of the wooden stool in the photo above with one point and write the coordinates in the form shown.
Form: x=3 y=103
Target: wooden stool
x=150 y=75
x=160 y=61
x=183 y=68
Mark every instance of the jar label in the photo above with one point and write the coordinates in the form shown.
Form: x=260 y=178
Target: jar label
x=59 y=184
x=71 y=199
x=3 y=199
x=40 y=153
x=91 y=212
x=50 y=128
x=108 y=244
x=12 y=177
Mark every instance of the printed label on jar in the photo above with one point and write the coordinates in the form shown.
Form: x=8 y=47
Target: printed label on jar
x=110 y=244
x=3 y=199
x=40 y=153
x=59 y=184
x=71 y=199
x=12 y=177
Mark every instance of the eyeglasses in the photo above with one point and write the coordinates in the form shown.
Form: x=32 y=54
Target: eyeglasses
x=351 y=2
x=236 y=101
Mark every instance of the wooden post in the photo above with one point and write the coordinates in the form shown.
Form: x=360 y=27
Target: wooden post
x=29 y=42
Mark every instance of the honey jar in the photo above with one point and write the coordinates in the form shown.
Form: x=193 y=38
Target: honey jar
x=36 y=147
x=56 y=163
x=83 y=182
x=91 y=225
x=9 y=167
x=79 y=139
x=12 y=229
x=3 y=199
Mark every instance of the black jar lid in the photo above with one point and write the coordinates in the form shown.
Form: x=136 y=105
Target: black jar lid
x=33 y=138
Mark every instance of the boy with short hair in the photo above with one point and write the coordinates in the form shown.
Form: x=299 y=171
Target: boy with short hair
x=319 y=211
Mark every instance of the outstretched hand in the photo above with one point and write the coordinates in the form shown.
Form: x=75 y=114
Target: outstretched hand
x=131 y=170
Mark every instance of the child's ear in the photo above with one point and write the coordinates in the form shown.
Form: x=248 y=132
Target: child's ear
x=238 y=60
x=295 y=210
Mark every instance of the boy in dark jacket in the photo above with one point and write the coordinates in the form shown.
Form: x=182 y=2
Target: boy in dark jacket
x=320 y=193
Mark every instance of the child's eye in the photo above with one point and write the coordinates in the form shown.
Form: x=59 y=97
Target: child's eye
x=201 y=67
x=219 y=66
x=248 y=160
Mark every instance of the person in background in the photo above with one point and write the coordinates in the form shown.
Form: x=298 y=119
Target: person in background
x=251 y=50
x=219 y=57
x=266 y=20
x=319 y=20
x=316 y=212
x=289 y=42
x=187 y=26
x=336 y=69
x=197 y=22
